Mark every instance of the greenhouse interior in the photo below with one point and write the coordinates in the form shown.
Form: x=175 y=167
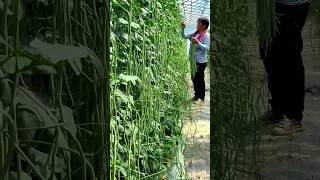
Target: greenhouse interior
x=150 y=71
x=103 y=90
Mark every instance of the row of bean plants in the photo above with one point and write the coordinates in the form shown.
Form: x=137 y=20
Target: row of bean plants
x=149 y=91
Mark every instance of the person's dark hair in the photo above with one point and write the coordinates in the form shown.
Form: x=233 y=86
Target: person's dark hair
x=204 y=21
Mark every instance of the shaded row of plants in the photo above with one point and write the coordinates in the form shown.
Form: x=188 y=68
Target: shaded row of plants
x=235 y=97
x=315 y=14
x=53 y=89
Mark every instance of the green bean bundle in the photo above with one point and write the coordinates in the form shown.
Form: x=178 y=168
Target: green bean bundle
x=266 y=21
x=192 y=59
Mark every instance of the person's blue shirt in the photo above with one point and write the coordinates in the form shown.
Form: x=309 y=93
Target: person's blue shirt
x=201 y=49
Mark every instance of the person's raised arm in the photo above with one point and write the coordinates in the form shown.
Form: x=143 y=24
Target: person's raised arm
x=185 y=36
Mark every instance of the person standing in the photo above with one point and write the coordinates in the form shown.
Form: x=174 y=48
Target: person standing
x=284 y=67
x=201 y=40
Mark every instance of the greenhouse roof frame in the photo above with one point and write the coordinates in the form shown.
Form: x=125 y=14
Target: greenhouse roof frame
x=191 y=10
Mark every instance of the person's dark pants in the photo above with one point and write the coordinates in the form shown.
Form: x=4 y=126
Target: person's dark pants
x=198 y=81
x=284 y=65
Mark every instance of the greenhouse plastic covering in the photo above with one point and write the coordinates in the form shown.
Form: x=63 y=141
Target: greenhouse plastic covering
x=191 y=10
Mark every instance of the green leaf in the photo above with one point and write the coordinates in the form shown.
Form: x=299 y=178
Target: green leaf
x=27 y=119
x=44 y=69
x=97 y=64
x=112 y=36
x=76 y=66
x=57 y=52
x=4 y=58
x=39 y=159
x=62 y=141
x=159 y=5
x=123 y=171
x=5 y=90
x=122 y=35
x=10 y=65
x=1 y=115
x=21 y=11
x=26 y=100
x=122 y=96
x=144 y=11
x=9 y=12
x=123 y=21
x=4 y=42
x=45 y=2
x=128 y=78
x=125 y=36
x=14 y=176
x=135 y=25
x=137 y=48
x=68 y=119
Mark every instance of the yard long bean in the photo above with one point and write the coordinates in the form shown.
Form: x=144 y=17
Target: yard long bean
x=266 y=21
x=192 y=58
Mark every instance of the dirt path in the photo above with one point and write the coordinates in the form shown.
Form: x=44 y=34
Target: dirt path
x=297 y=157
x=197 y=150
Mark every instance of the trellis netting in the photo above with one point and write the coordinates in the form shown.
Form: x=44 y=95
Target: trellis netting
x=191 y=10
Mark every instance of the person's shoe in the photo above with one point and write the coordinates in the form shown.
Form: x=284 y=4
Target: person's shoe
x=287 y=127
x=200 y=101
x=194 y=99
x=272 y=117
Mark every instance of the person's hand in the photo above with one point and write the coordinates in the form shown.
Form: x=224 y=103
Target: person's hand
x=195 y=41
x=183 y=25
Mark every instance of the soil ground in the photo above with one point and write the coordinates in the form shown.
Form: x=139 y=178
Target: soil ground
x=297 y=157
x=197 y=132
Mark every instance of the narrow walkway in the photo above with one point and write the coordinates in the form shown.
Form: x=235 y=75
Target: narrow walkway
x=197 y=150
x=297 y=157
